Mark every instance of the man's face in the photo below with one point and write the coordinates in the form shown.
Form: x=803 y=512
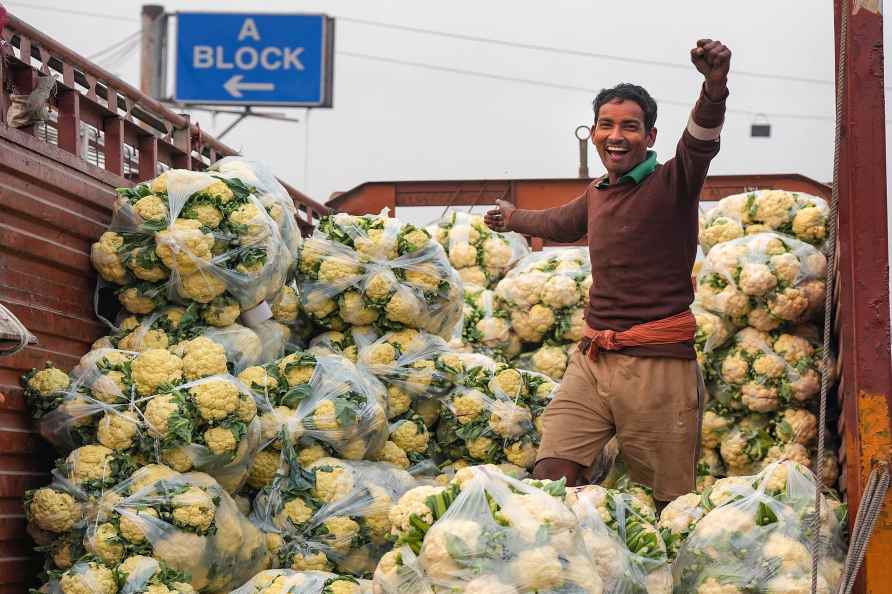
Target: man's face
x=620 y=137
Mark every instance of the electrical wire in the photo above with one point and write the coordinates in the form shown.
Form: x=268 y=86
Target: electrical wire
x=573 y=52
x=114 y=46
x=98 y=15
x=565 y=87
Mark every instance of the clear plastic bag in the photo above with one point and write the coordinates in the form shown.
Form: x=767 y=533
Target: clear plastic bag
x=157 y=406
x=481 y=256
x=713 y=332
x=792 y=213
x=494 y=417
x=486 y=326
x=546 y=294
x=187 y=522
x=331 y=514
x=766 y=281
x=758 y=538
x=764 y=372
x=375 y=270
x=346 y=343
x=323 y=398
x=190 y=237
x=486 y=532
x=286 y=311
x=549 y=359
x=620 y=535
x=288 y=581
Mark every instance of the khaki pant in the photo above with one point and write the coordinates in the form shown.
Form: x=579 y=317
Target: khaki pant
x=654 y=406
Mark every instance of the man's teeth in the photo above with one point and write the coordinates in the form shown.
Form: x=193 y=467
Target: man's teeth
x=614 y=149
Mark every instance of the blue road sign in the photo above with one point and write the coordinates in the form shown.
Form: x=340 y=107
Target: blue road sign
x=254 y=59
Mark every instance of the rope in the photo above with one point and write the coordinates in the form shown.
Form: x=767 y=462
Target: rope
x=16 y=331
x=830 y=280
x=868 y=513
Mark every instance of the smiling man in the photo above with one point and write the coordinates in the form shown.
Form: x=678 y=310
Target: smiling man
x=635 y=374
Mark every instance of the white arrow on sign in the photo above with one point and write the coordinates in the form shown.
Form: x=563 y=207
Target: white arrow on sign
x=234 y=86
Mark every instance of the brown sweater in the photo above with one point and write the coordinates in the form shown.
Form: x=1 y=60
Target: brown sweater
x=642 y=237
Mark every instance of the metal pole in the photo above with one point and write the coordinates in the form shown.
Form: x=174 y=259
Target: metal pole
x=583 y=133
x=151 y=67
x=306 y=183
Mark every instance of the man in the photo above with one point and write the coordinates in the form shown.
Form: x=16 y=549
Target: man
x=635 y=374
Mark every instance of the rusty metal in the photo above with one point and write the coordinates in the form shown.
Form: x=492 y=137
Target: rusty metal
x=864 y=343
x=534 y=193
x=583 y=149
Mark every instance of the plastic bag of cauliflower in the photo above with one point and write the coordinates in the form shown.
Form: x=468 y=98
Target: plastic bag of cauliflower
x=481 y=256
x=157 y=527
x=764 y=372
x=620 y=535
x=792 y=213
x=548 y=359
x=486 y=533
x=331 y=514
x=285 y=309
x=166 y=328
x=496 y=417
x=765 y=281
x=182 y=410
x=375 y=270
x=190 y=237
x=758 y=538
x=287 y=581
x=346 y=343
x=486 y=325
x=546 y=293
x=322 y=399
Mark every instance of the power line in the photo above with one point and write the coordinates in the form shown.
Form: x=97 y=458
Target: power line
x=98 y=15
x=115 y=45
x=573 y=52
x=563 y=87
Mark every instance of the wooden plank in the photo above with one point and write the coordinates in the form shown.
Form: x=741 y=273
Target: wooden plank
x=148 y=157
x=70 y=122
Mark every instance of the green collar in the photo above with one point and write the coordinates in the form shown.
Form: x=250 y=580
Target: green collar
x=637 y=174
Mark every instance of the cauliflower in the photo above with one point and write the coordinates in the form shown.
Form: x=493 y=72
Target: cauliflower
x=53 y=511
x=786 y=267
x=760 y=319
x=789 y=304
x=532 y=325
x=297 y=369
x=468 y=406
x=221 y=312
x=215 y=399
x=201 y=286
x=756 y=279
x=89 y=463
x=264 y=469
x=435 y=557
x=310 y=562
x=194 y=508
x=424 y=276
x=398 y=401
x=334 y=480
x=410 y=436
x=412 y=503
x=153 y=368
x=538 y=569
x=791 y=451
x=550 y=360
x=338 y=271
x=509 y=420
x=810 y=225
x=285 y=306
x=148 y=476
x=253 y=222
x=117 y=431
x=759 y=398
x=49 y=381
x=724 y=520
x=158 y=414
x=404 y=308
x=735 y=369
x=202 y=357
x=793 y=555
x=793 y=348
x=774 y=208
x=135 y=302
x=497 y=253
x=559 y=291
x=720 y=230
x=393 y=454
x=144 y=267
x=806 y=386
x=151 y=208
x=105 y=543
x=132 y=525
x=481 y=448
x=104 y=255
x=220 y=440
x=712 y=585
x=88 y=578
x=354 y=311
x=473 y=275
x=462 y=254
x=796 y=425
x=341 y=531
x=183 y=245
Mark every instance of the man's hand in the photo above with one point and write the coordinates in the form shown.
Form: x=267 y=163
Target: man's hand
x=713 y=60
x=497 y=218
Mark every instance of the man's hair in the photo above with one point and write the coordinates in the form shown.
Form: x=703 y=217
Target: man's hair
x=629 y=92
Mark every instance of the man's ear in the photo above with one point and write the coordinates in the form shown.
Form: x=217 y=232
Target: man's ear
x=651 y=137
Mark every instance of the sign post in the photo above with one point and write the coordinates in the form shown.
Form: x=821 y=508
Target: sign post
x=254 y=59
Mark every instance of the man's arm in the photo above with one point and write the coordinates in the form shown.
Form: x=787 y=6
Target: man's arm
x=564 y=224
x=699 y=142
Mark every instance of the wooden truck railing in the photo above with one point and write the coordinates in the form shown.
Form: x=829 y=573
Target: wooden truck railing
x=106 y=121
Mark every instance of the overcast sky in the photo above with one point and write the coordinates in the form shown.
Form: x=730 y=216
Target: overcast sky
x=395 y=121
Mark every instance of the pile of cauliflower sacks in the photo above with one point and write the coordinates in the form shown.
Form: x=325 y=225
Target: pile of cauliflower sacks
x=342 y=414
x=759 y=304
